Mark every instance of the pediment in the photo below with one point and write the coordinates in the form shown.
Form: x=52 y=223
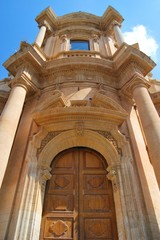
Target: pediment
x=100 y=100
x=57 y=99
x=102 y=108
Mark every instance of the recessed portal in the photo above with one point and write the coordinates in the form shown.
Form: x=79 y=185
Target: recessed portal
x=79 y=201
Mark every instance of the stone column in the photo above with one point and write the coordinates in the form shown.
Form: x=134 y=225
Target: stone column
x=41 y=35
x=8 y=124
x=150 y=123
x=49 y=46
x=118 y=34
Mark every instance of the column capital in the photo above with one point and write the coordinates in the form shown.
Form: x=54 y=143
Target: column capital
x=115 y=23
x=136 y=81
x=45 y=24
x=24 y=81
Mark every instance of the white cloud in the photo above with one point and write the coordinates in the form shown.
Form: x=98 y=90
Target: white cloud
x=146 y=42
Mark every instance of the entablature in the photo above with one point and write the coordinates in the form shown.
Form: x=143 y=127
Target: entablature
x=79 y=19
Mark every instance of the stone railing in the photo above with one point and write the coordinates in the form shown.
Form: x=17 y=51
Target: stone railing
x=79 y=53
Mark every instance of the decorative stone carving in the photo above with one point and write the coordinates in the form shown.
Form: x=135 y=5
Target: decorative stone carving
x=44 y=142
x=64 y=41
x=95 y=37
x=79 y=128
x=112 y=175
x=111 y=139
x=44 y=176
x=95 y=42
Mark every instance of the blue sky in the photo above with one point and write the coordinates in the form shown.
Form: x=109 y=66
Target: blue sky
x=141 y=23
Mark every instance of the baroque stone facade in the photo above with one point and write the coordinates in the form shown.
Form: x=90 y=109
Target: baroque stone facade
x=100 y=98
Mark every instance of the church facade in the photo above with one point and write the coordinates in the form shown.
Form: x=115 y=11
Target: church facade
x=79 y=134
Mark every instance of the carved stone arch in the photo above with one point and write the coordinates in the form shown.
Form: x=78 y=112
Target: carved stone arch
x=92 y=140
x=69 y=139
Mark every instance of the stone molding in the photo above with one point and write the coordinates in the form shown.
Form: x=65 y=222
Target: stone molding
x=101 y=108
x=128 y=54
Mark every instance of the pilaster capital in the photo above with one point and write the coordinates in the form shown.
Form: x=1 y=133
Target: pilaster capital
x=136 y=81
x=63 y=37
x=113 y=176
x=95 y=37
x=24 y=81
x=44 y=175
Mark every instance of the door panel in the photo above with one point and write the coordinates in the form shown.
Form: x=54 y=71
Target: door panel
x=79 y=202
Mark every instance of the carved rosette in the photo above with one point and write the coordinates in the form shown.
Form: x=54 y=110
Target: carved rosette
x=113 y=177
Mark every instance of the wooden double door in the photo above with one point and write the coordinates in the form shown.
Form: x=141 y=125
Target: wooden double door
x=79 y=201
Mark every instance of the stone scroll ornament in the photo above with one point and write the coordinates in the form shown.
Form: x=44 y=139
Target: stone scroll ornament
x=113 y=176
x=44 y=176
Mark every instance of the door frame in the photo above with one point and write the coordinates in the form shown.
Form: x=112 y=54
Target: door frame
x=28 y=218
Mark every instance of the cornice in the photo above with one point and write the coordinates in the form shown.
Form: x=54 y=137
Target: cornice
x=27 y=55
x=109 y=17
x=78 y=19
x=81 y=113
x=127 y=54
x=49 y=18
x=85 y=62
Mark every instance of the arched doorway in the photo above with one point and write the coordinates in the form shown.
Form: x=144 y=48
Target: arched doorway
x=79 y=201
